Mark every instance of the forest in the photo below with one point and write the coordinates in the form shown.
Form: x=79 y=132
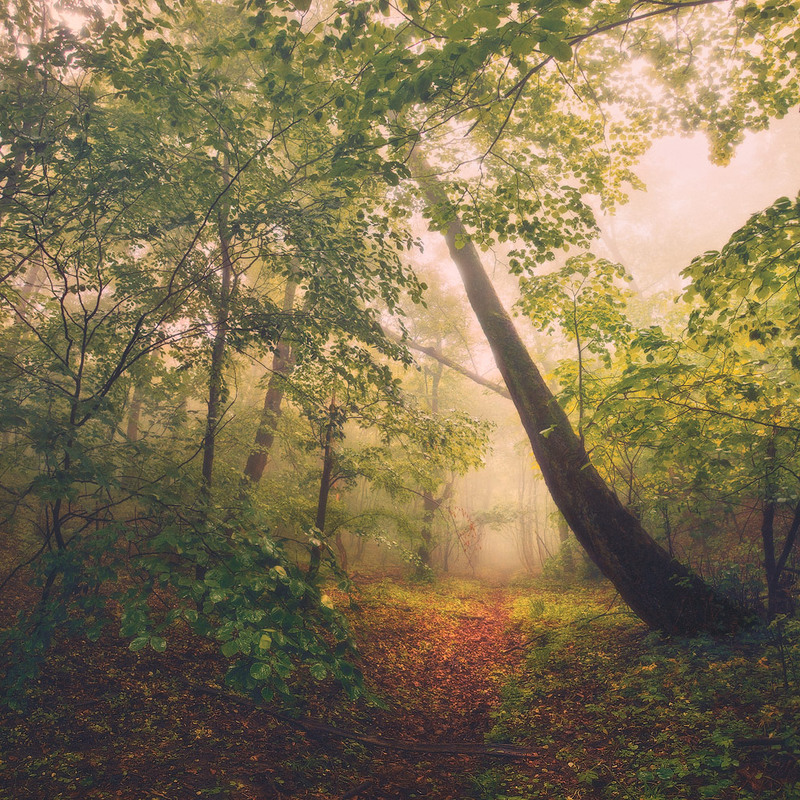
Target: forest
x=399 y=399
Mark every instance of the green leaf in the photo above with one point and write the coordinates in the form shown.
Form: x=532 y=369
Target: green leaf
x=230 y=649
x=460 y=30
x=484 y=18
x=558 y=48
x=260 y=671
x=553 y=24
x=158 y=643
x=318 y=671
x=139 y=643
x=522 y=45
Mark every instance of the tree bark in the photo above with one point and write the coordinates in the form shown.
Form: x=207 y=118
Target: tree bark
x=768 y=541
x=324 y=491
x=564 y=546
x=768 y=529
x=216 y=378
x=430 y=505
x=282 y=363
x=659 y=590
x=779 y=600
x=134 y=413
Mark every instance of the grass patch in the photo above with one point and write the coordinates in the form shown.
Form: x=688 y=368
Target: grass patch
x=616 y=712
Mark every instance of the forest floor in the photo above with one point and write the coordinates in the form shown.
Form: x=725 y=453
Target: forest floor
x=596 y=707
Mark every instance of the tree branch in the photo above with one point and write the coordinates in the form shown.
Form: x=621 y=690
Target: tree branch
x=447 y=362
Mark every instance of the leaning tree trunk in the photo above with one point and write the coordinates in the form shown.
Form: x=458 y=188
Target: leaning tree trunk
x=659 y=590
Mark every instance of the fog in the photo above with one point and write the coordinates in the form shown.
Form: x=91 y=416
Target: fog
x=690 y=205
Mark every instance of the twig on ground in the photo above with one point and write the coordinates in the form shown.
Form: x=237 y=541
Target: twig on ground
x=315 y=726
x=356 y=790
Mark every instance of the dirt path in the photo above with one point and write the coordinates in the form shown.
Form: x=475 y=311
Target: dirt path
x=112 y=724
x=440 y=668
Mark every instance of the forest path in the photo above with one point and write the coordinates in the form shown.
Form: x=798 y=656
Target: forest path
x=116 y=724
x=438 y=659
x=438 y=656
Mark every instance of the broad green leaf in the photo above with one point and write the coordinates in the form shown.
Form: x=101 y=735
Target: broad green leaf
x=484 y=18
x=260 y=671
x=461 y=30
x=230 y=649
x=558 y=48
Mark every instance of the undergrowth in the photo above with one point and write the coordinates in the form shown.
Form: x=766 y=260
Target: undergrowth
x=613 y=711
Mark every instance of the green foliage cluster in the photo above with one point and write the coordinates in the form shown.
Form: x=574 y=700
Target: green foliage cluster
x=694 y=421
x=613 y=712
x=584 y=300
x=221 y=580
x=166 y=171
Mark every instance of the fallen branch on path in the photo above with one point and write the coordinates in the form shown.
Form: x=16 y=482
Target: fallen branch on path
x=315 y=726
x=356 y=791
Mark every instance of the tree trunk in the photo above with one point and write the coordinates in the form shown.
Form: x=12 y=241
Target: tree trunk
x=341 y=549
x=429 y=508
x=564 y=546
x=768 y=541
x=324 y=492
x=215 y=377
x=779 y=600
x=430 y=505
x=134 y=413
x=659 y=590
x=282 y=363
x=785 y=578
